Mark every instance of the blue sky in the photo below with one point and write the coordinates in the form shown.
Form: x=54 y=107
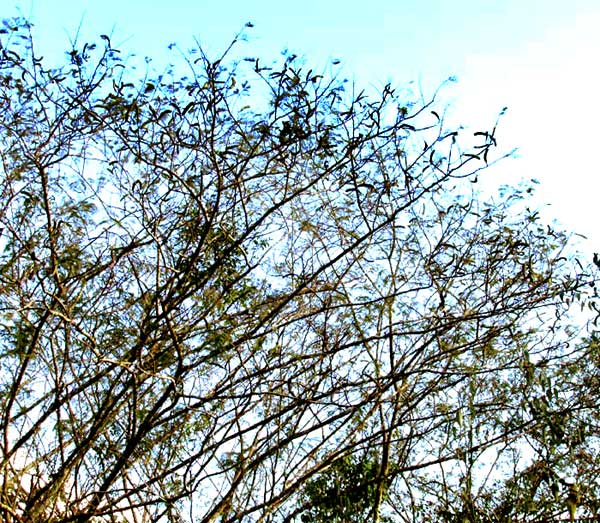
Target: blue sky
x=538 y=57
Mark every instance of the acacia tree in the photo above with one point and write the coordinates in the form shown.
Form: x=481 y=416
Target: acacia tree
x=220 y=283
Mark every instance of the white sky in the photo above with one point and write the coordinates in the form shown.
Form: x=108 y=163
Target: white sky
x=538 y=57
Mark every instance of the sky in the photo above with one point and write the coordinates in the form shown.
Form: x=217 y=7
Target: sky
x=539 y=58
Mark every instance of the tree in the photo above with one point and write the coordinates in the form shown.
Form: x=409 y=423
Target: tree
x=350 y=491
x=557 y=477
x=217 y=285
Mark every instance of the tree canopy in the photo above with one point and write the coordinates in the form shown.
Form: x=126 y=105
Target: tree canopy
x=240 y=290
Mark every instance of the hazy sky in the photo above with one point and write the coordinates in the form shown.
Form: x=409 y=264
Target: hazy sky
x=538 y=57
